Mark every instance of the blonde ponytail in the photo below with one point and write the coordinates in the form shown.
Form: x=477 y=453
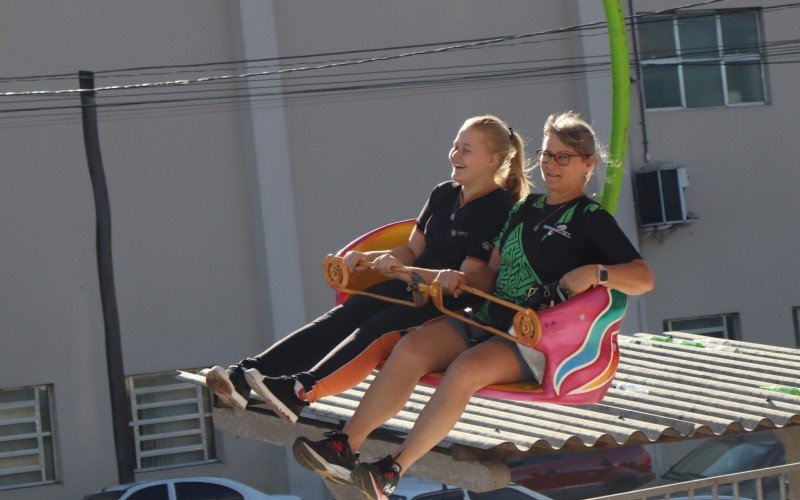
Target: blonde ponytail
x=510 y=145
x=515 y=180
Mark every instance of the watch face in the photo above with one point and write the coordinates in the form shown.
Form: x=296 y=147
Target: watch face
x=603 y=276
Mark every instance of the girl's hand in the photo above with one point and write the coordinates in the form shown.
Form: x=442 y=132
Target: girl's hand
x=352 y=259
x=387 y=264
x=450 y=281
x=578 y=280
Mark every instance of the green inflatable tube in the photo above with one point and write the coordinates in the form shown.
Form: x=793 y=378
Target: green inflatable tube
x=620 y=107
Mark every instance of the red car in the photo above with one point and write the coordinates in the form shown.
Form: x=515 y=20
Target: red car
x=579 y=475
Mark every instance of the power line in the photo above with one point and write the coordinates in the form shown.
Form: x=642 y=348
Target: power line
x=277 y=60
x=384 y=79
x=260 y=73
x=447 y=48
x=62 y=76
x=386 y=84
x=253 y=101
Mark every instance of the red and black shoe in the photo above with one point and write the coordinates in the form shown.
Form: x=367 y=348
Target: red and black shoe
x=331 y=457
x=377 y=480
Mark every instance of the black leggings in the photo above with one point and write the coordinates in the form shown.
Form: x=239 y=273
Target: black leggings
x=337 y=337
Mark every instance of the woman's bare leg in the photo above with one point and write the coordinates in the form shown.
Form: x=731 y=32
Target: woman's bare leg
x=484 y=364
x=429 y=349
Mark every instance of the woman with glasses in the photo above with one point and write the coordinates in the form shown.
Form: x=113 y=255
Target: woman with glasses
x=562 y=235
x=454 y=230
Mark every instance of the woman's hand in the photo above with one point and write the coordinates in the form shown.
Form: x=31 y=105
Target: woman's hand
x=450 y=281
x=353 y=259
x=578 y=280
x=387 y=265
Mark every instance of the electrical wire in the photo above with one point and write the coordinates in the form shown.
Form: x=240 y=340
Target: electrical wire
x=787 y=47
x=286 y=86
x=282 y=59
x=446 y=48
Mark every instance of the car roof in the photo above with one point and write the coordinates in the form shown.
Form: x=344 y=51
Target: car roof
x=764 y=436
x=105 y=495
x=206 y=479
x=117 y=490
x=411 y=486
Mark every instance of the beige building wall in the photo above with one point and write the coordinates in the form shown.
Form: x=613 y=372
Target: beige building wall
x=362 y=161
x=184 y=227
x=208 y=269
x=737 y=257
x=200 y=274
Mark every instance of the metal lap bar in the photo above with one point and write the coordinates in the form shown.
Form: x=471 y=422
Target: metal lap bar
x=435 y=291
x=379 y=297
x=337 y=275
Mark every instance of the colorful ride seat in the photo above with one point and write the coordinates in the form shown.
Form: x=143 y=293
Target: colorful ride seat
x=577 y=354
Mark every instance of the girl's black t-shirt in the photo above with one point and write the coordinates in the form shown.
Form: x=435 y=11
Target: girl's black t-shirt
x=454 y=233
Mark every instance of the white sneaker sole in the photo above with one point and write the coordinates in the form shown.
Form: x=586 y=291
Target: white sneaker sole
x=218 y=382
x=312 y=461
x=368 y=486
x=255 y=380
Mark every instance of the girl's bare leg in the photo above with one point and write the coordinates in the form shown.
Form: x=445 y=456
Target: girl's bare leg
x=484 y=364
x=429 y=349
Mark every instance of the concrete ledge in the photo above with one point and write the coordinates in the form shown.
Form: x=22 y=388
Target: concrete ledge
x=435 y=466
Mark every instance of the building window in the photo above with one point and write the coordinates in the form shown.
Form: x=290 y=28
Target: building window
x=702 y=59
x=26 y=437
x=796 y=315
x=724 y=326
x=171 y=422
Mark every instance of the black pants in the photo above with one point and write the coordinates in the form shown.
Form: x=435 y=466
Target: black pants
x=340 y=335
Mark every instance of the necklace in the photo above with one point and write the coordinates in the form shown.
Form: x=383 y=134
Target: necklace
x=456 y=206
x=540 y=221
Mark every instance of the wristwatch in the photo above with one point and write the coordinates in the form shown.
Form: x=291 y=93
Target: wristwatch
x=602 y=274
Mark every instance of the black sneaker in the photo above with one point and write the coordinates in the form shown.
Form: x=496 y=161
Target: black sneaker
x=229 y=385
x=331 y=458
x=378 y=479
x=278 y=393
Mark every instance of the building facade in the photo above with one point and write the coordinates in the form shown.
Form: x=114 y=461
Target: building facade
x=720 y=106
x=226 y=195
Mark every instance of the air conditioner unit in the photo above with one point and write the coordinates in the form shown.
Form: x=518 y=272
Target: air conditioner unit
x=659 y=195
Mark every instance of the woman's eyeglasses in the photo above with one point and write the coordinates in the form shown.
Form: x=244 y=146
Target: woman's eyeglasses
x=561 y=158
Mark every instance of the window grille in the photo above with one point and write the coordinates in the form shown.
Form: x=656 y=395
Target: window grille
x=26 y=437
x=171 y=424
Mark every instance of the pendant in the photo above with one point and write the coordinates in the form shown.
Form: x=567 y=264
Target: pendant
x=536 y=227
x=453 y=216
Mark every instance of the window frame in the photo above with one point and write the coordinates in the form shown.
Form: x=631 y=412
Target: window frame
x=202 y=399
x=40 y=435
x=731 y=325
x=679 y=61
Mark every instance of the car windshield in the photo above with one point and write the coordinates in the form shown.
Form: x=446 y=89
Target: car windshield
x=716 y=458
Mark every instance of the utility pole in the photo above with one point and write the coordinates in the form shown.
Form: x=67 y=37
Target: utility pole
x=120 y=411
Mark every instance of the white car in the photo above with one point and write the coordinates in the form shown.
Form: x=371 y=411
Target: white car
x=414 y=488
x=186 y=488
x=711 y=497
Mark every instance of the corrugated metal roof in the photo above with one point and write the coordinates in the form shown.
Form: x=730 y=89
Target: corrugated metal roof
x=661 y=392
